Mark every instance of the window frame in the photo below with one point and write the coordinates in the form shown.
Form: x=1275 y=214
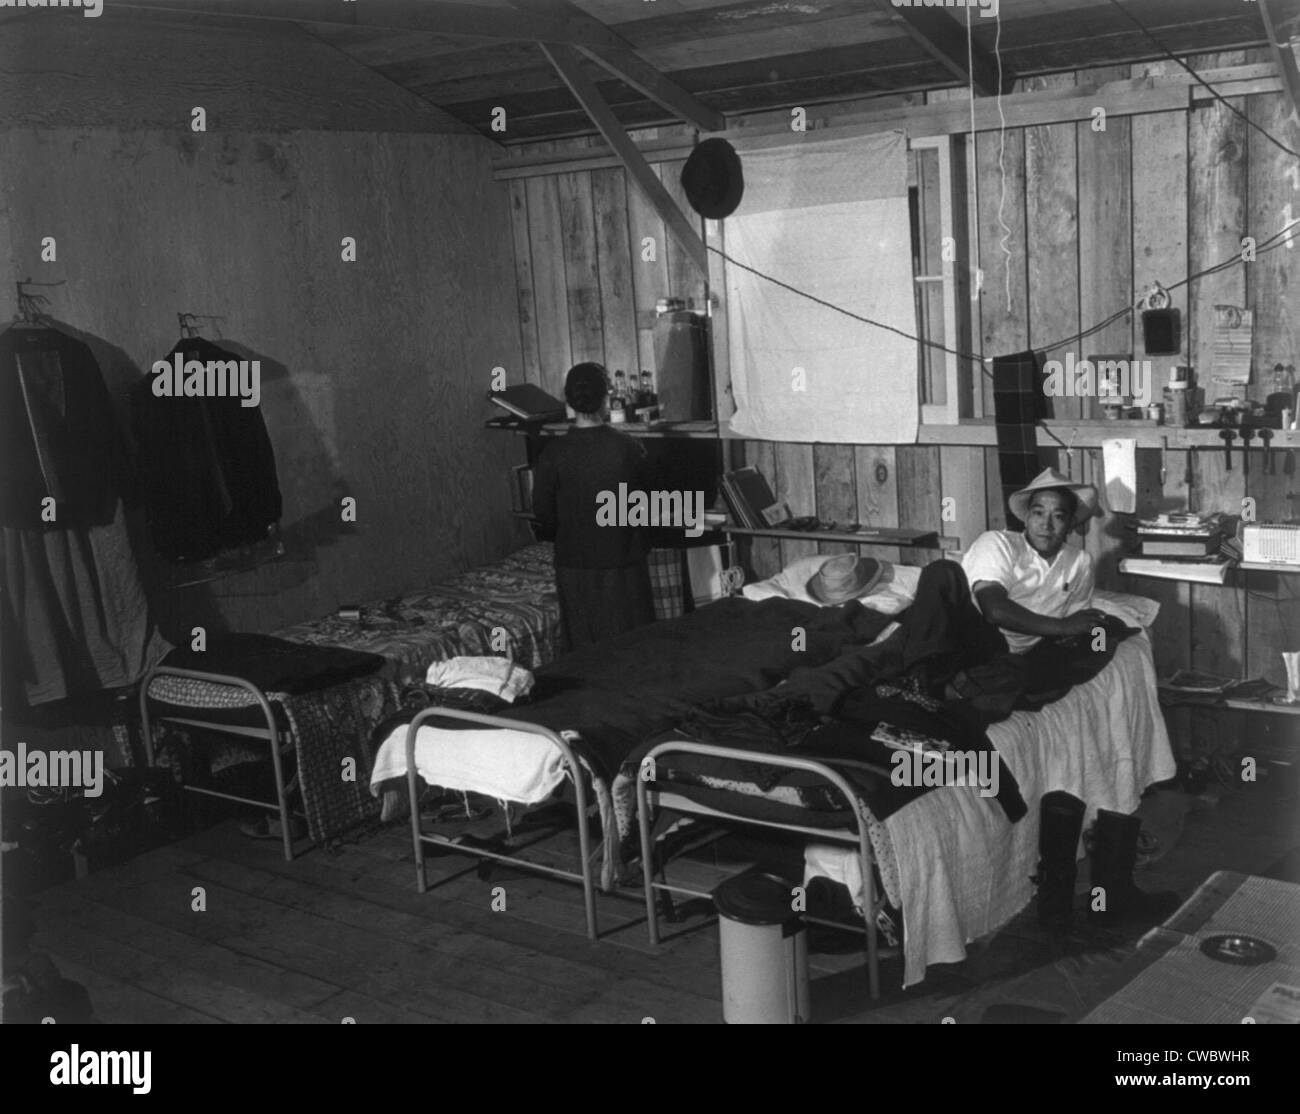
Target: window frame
x=959 y=304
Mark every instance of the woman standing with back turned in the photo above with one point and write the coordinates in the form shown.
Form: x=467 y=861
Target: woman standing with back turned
x=601 y=573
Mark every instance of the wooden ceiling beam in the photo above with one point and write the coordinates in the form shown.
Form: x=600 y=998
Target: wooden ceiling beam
x=434 y=16
x=567 y=64
x=1285 y=56
x=620 y=59
x=944 y=39
x=645 y=79
x=1172 y=92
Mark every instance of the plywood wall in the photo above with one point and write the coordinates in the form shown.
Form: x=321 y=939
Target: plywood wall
x=374 y=373
x=1072 y=224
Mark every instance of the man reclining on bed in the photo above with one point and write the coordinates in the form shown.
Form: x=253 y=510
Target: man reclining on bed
x=1009 y=627
x=1024 y=592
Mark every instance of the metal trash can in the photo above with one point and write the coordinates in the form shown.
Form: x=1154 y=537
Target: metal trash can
x=764 y=951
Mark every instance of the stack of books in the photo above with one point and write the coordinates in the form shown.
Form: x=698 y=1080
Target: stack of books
x=1182 y=535
x=1190 y=686
x=1182 y=546
x=751 y=502
x=528 y=402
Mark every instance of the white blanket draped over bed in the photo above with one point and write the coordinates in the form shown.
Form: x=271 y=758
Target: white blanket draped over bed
x=962 y=869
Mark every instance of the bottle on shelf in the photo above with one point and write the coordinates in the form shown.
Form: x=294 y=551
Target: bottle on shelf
x=634 y=400
x=618 y=399
x=1281 y=395
x=649 y=400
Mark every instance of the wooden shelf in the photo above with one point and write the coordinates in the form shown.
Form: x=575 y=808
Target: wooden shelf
x=632 y=429
x=1169 y=698
x=1262 y=706
x=1233 y=566
x=939 y=542
x=1056 y=433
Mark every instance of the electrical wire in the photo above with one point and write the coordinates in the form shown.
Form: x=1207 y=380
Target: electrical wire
x=1277 y=240
x=1201 y=81
x=1005 y=242
x=974 y=153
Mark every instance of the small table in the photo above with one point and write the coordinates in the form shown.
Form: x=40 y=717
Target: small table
x=1175 y=982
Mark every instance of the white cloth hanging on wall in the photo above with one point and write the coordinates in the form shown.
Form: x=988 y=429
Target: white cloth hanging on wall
x=829 y=218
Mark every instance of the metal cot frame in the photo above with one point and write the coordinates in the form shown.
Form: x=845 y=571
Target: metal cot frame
x=270 y=733
x=572 y=767
x=646 y=792
x=858 y=837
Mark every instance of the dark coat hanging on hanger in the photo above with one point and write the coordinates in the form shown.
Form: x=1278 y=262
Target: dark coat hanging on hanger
x=207 y=467
x=58 y=432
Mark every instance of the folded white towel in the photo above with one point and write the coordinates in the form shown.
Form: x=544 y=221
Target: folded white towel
x=497 y=762
x=499 y=676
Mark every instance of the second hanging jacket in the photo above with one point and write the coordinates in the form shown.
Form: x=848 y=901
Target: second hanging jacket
x=207 y=467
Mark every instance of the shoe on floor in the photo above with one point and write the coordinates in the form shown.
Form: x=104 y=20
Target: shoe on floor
x=268 y=827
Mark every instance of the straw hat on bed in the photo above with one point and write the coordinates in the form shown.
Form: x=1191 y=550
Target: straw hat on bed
x=845 y=578
x=1050 y=477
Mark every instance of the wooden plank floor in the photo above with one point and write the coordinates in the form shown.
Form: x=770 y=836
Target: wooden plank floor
x=219 y=928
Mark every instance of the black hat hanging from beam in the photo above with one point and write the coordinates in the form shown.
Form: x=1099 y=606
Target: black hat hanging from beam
x=713 y=180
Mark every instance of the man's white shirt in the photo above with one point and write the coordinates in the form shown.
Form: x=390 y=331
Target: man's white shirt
x=1057 y=589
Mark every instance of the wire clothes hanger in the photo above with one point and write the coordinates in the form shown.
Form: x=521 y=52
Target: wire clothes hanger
x=31 y=313
x=189 y=324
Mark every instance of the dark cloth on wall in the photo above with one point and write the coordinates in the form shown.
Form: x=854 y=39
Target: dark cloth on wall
x=1020 y=402
x=58 y=433
x=599 y=603
x=207 y=466
x=571 y=473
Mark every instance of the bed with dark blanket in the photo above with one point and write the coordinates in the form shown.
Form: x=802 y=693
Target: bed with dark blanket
x=616 y=694
x=1071 y=717
x=830 y=712
x=610 y=698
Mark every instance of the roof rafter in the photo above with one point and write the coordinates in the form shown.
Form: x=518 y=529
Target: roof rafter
x=621 y=60
x=945 y=40
x=437 y=16
x=1285 y=56
x=566 y=61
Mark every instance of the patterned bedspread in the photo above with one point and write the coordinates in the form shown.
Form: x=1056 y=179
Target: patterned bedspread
x=508 y=608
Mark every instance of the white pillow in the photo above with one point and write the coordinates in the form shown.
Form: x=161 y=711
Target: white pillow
x=1136 y=611
x=894 y=592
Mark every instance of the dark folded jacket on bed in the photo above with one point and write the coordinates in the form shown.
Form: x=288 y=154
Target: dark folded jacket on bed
x=782 y=722
x=830 y=711
x=274 y=665
x=621 y=691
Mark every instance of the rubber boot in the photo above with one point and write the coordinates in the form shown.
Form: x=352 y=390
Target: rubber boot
x=1060 y=825
x=1114 y=854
